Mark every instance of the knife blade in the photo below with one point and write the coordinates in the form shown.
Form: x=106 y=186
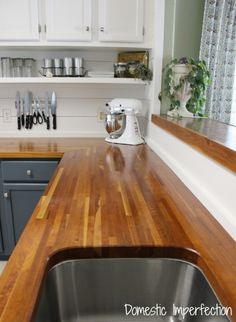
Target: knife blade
x=47 y=110
x=53 y=110
x=17 y=104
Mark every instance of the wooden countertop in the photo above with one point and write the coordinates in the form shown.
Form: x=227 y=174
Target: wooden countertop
x=41 y=148
x=110 y=200
x=215 y=139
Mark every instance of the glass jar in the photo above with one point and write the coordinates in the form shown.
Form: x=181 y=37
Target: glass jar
x=29 y=68
x=132 y=65
x=6 y=64
x=17 y=67
x=120 y=70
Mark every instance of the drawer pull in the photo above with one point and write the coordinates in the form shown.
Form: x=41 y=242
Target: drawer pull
x=102 y=29
x=29 y=173
x=6 y=194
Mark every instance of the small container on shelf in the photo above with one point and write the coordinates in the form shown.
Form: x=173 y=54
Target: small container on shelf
x=17 y=67
x=132 y=65
x=68 y=66
x=48 y=67
x=58 y=67
x=6 y=65
x=120 y=70
x=79 y=67
x=29 y=67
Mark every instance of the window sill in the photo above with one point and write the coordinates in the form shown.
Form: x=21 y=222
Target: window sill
x=215 y=139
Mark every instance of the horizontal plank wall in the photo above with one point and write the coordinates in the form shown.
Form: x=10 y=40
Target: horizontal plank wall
x=78 y=104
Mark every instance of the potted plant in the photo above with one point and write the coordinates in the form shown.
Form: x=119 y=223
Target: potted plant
x=142 y=72
x=185 y=84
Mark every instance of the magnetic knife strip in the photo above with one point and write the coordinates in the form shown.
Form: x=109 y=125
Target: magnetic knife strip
x=33 y=111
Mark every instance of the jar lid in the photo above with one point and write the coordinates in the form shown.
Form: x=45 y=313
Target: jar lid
x=133 y=62
x=120 y=64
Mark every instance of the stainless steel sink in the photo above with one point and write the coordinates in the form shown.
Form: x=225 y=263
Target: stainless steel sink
x=97 y=290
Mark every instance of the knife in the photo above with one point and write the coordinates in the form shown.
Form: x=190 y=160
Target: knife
x=30 y=110
x=22 y=106
x=47 y=110
x=43 y=110
x=53 y=110
x=26 y=108
x=17 y=103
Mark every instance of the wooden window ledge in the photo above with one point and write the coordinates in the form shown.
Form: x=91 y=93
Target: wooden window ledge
x=215 y=139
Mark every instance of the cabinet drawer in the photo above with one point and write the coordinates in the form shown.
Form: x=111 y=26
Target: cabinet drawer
x=28 y=171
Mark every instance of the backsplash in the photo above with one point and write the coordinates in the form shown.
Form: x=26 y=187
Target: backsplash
x=79 y=106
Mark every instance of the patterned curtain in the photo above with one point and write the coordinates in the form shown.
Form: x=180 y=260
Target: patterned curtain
x=218 y=49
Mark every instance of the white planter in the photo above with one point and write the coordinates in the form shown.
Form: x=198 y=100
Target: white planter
x=184 y=93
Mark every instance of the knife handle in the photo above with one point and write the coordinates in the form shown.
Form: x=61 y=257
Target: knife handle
x=18 y=123
x=54 y=121
x=23 y=119
x=27 y=121
x=48 y=123
x=30 y=121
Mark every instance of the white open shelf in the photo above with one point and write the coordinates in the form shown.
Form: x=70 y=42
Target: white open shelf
x=70 y=80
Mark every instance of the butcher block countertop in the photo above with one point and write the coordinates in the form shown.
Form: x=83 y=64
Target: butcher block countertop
x=110 y=201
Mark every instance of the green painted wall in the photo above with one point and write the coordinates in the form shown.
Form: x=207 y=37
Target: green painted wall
x=188 y=27
x=183 y=27
x=182 y=33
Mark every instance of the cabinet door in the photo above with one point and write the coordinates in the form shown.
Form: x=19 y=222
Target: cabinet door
x=20 y=201
x=19 y=20
x=68 y=20
x=1 y=245
x=121 y=20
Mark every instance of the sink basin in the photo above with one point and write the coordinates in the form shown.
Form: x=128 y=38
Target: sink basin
x=126 y=289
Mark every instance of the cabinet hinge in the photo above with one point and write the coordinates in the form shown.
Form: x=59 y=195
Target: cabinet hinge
x=39 y=28
x=143 y=31
x=45 y=28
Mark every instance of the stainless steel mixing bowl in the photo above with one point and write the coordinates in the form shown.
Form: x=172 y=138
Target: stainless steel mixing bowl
x=113 y=121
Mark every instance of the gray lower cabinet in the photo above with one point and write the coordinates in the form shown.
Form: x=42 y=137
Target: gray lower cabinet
x=19 y=203
x=1 y=244
x=22 y=183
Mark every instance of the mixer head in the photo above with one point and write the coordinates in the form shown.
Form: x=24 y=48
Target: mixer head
x=124 y=105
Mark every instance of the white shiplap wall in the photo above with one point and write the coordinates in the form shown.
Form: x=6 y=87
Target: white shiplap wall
x=78 y=104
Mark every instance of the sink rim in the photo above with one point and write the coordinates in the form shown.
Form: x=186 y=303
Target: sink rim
x=69 y=253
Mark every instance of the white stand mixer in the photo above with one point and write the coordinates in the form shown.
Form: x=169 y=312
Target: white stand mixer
x=129 y=133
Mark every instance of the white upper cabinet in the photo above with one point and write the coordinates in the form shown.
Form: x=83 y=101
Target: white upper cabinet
x=19 y=20
x=121 y=20
x=98 y=23
x=68 y=20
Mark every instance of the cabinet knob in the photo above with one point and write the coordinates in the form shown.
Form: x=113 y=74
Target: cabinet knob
x=102 y=29
x=87 y=28
x=29 y=173
x=6 y=194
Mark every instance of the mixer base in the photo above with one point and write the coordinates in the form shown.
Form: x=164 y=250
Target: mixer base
x=134 y=141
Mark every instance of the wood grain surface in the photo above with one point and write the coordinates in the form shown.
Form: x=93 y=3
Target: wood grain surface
x=215 y=139
x=112 y=201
